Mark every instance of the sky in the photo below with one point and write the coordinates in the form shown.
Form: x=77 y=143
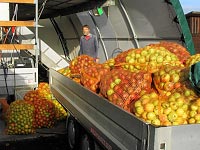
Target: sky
x=190 y=5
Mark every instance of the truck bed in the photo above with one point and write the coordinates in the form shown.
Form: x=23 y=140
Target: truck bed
x=115 y=128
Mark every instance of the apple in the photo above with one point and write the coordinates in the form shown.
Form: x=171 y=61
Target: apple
x=193 y=113
x=167 y=58
x=144 y=115
x=180 y=101
x=117 y=81
x=167 y=110
x=180 y=112
x=112 y=85
x=144 y=53
x=175 y=123
x=145 y=101
x=128 y=58
x=149 y=107
x=156 y=122
x=142 y=60
x=184 y=116
x=185 y=107
x=176 y=95
x=161 y=85
x=152 y=58
x=151 y=116
x=167 y=123
x=131 y=60
x=172 y=116
x=161 y=72
x=137 y=56
x=110 y=92
x=155 y=102
x=191 y=121
x=187 y=93
x=137 y=103
x=165 y=78
x=198 y=102
x=139 y=110
x=156 y=110
x=159 y=59
x=197 y=117
x=169 y=86
x=173 y=105
x=194 y=107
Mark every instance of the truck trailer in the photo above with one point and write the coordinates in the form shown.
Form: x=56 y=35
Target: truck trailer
x=94 y=122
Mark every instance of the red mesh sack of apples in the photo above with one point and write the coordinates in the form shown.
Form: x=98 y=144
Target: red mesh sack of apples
x=90 y=78
x=32 y=95
x=44 y=113
x=80 y=63
x=121 y=87
x=44 y=109
x=169 y=78
x=180 y=51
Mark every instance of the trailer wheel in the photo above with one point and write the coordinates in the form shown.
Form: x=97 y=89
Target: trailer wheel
x=87 y=143
x=72 y=133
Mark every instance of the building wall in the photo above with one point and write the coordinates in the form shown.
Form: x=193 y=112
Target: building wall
x=194 y=24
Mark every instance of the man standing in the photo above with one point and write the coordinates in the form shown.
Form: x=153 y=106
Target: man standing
x=88 y=43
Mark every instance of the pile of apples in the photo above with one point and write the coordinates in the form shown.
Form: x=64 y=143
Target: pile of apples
x=121 y=87
x=150 y=59
x=194 y=112
x=80 y=63
x=180 y=51
x=169 y=78
x=162 y=111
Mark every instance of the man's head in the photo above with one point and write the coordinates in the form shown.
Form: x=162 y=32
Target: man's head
x=86 y=30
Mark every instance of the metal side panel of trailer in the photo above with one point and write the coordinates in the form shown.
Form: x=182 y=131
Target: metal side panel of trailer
x=115 y=128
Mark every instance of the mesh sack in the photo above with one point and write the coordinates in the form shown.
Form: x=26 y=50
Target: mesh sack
x=91 y=77
x=80 y=63
x=149 y=58
x=161 y=110
x=20 y=118
x=180 y=51
x=44 y=113
x=121 y=87
x=169 y=78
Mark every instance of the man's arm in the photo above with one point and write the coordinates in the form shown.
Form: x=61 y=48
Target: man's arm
x=96 y=45
x=81 y=48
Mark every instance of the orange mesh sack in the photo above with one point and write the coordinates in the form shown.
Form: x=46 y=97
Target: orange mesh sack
x=180 y=51
x=121 y=58
x=160 y=110
x=44 y=112
x=149 y=58
x=121 y=87
x=80 y=63
x=169 y=78
x=91 y=77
